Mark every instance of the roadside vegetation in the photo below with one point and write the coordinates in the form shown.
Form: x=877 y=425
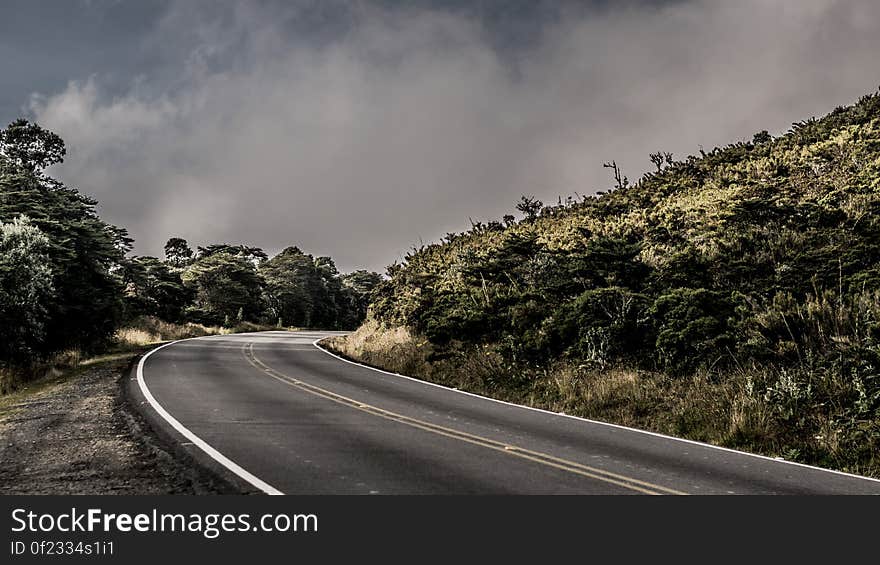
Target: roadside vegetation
x=731 y=297
x=70 y=288
x=133 y=338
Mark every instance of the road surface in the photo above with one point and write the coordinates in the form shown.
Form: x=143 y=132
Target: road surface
x=277 y=414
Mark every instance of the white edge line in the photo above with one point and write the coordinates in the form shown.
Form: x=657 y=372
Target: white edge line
x=197 y=441
x=597 y=422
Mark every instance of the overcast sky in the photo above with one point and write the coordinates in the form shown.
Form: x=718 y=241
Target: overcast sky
x=359 y=129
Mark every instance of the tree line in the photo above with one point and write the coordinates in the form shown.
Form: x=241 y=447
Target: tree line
x=67 y=279
x=223 y=284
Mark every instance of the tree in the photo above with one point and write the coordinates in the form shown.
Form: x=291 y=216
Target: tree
x=153 y=288
x=661 y=159
x=761 y=137
x=178 y=253
x=329 y=302
x=253 y=255
x=84 y=253
x=25 y=290
x=31 y=147
x=222 y=285
x=620 y=181
x=362 y=282
x=307 y=291
x=358 y=288
x=292 y=287
x=529 y=206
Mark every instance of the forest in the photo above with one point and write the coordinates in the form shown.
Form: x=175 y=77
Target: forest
x=68 y=280
x=731 y=296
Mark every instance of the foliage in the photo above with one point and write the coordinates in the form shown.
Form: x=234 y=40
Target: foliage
x=67 y=284
x=31 y=147
x=601 y=325
x=83 y=252
x=292 y=282
x=529 y=206
x=357 y=288
x=704 y=246
x=154 y=288
x=178 y=253
x=691 y=326
x=306 y=291
x=752 y=269
x=25 y=290
x=253 y=255
x=226 y=289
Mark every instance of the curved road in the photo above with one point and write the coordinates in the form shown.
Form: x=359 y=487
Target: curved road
x=277 y=414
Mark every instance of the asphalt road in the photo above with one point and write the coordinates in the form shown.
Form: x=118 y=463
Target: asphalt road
x=275 y=413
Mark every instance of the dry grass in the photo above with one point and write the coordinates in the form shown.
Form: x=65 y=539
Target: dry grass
x=394 y=349
x=148 y=331
x=743 y=410
x=373 y=338
x=750 y=415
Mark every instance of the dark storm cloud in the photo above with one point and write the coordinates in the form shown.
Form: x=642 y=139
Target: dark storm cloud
x=357 y=129
x=46 y=43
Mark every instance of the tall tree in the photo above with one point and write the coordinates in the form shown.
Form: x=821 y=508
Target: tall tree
x=292 y=283
x=83 y=251
x=358 y=287
x=224 y=285
x=154 y=288
x=31 y=147
x=178 y=253
x=328 y=299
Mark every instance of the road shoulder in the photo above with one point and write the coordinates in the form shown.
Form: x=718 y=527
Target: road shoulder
x=80 y=435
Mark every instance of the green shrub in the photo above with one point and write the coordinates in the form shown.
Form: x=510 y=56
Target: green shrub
x=601 y=326
x=694 y=327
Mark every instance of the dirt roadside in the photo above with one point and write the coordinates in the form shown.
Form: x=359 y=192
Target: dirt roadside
x=78 y=435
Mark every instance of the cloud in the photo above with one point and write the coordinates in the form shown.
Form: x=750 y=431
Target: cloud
x=360 y=137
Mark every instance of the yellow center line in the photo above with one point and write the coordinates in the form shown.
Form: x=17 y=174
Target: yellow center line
x=513 y=450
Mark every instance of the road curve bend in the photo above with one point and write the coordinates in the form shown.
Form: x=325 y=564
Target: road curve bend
x=274 y=412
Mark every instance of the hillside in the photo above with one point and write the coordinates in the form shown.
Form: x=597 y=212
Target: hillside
x=731 y=297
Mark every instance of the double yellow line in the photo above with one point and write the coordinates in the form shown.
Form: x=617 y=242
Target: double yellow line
x=512 y=450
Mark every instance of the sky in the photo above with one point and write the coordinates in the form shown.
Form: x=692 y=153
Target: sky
x=362 y=129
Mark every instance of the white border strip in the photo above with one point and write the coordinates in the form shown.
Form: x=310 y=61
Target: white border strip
x=196 y=440
x=607 y=424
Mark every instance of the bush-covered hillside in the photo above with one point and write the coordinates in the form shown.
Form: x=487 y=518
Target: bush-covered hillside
x=749 y=274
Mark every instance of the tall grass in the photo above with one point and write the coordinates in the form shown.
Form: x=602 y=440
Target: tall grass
x=817 y=407
x=148 y=330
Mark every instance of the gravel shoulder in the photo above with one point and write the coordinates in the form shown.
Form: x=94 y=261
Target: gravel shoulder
x=77 y=434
